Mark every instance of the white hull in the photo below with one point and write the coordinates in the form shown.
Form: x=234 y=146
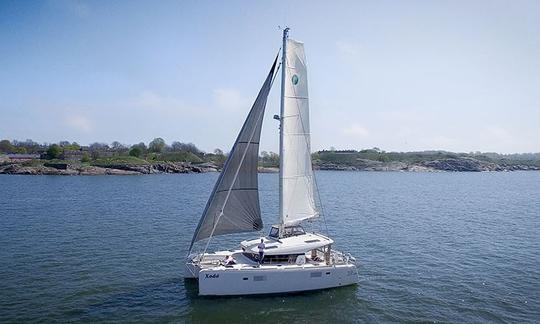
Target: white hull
x=228 y=282
x=249 y=278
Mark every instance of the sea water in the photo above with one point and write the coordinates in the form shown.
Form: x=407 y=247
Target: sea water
x=433 y=247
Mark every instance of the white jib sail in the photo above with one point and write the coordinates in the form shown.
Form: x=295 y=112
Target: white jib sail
x=298 y=201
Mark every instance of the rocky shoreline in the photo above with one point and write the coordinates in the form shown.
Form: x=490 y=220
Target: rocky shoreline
x=442 y=165
x=117 y=169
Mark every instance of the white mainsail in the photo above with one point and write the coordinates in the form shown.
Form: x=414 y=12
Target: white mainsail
x=297 y=182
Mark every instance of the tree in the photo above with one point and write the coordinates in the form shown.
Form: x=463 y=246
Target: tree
x=54 y=151
x=135 y=151
x=218 y=152
x=118 y=147
x=72 y=147
x=30 y=146
x=85 y=158
x=270 y=159
x=190 y=147
x=177 y=146
x=141 y=146
x=156 y=145
x=186 y=147
x=75 y=146
x=6 y=147
x=98 y=146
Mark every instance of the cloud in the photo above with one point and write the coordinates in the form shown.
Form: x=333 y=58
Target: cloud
x=347 y=48
x=79 y=122
x=229 y=99
x=355 y=130
x=163 y=105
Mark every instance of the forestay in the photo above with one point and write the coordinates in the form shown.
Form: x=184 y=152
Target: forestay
x=298 y=201
x=233 y=206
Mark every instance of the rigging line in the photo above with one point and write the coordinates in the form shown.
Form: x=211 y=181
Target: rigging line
x=238 y=189
x=261 y=113
x=323 y=214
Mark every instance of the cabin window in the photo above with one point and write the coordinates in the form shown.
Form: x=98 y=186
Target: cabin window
x=259 y=278
x=316 y=274
x=251 y=256
x=274 y=232
x=293 y=231
x=280 y=258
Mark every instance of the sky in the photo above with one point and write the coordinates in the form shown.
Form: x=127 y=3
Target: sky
x=399 y=75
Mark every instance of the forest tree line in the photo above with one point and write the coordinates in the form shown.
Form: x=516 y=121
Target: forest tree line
x=159 y=150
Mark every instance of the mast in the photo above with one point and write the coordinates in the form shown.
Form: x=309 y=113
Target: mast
x=281 y=114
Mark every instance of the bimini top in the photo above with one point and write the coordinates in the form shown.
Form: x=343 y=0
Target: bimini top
x=298 y=244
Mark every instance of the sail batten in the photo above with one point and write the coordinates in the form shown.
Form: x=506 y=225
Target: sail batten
x=233 y=206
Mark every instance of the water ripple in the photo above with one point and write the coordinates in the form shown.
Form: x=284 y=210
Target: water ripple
x=445 y=247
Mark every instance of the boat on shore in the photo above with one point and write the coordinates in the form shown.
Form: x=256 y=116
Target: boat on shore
x=288 y=259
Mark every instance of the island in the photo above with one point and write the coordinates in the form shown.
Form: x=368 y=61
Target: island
x=65 y=158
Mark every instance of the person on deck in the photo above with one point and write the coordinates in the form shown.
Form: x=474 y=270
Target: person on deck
x=229 y=261
x=261 y=247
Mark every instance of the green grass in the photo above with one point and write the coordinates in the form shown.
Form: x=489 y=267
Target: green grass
x=178 y=157
x=119 y=160
x=34 y=163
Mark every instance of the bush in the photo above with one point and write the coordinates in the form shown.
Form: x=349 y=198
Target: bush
x=85 y=158
x=135 y=151
x=54 y=151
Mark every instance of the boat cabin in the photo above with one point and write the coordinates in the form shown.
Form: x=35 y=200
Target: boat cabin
x=293 y=246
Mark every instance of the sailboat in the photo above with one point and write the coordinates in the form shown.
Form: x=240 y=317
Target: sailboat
x=288 y=259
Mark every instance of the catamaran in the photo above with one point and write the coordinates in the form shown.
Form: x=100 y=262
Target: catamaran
x=290 y=259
